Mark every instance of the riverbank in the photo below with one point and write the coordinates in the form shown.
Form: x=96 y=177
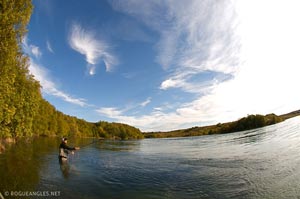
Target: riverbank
x=246 y=123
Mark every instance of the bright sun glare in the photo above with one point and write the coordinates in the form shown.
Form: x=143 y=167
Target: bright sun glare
x=268 y=76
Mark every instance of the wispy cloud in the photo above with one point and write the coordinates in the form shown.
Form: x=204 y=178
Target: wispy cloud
x=146 y=102
x=95 y=50
x=31 y=49
x=199 y=48
x=129 y=30
x=111 y=112
x=35 y=51
x=144 y=122
x=49 y=87
x=49 y=47
x=199 y=38
x=252 y=66
x=156 y=119
x=42 y=75
x=172 y=83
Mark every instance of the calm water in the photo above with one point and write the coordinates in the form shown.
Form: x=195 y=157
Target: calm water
x=261 y=163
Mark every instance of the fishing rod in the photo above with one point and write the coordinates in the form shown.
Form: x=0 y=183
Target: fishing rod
x=83 y=146
x=93 y=142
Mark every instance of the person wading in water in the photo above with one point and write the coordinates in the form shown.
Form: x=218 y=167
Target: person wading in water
x=64 y=150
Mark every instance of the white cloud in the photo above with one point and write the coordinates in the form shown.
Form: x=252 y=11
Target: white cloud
x=267 y=78
x=249 y=49
x=32 y=50
x=199 y=38
x=146 y=102
x=110 y=112
x=95 y=50
x=155 y=120
x=113 y=112
x=49 y=87
x=49 y=47
x=171 y=83
x=41 y=74
x=35 y=51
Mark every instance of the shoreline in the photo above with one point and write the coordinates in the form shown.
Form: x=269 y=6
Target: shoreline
x=220 y=128
x=246 y=123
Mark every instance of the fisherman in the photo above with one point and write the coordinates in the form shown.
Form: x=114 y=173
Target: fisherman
x=64 y=150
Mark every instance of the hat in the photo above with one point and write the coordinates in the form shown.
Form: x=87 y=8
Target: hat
x=64 y=139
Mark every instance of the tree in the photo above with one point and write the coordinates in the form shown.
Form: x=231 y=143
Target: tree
x=19 y=91
x=23 y=111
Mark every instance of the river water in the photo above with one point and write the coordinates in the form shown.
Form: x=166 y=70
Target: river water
x=260 y=163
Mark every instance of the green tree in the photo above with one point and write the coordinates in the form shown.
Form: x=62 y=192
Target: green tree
x=19 y=91
x=23 y=111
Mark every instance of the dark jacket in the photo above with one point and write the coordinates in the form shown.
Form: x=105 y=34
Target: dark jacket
x=64 y=150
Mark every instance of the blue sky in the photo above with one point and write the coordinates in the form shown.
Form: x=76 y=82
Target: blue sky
x=163 y=65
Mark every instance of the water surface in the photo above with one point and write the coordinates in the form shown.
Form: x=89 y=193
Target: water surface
x=260 y=163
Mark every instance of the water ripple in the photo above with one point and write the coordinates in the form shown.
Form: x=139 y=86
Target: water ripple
x=260 y=163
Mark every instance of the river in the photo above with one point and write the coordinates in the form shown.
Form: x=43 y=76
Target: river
x=260 y=163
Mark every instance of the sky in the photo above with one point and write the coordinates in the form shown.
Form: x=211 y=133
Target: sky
x=161 y=65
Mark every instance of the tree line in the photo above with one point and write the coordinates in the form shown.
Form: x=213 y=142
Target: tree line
x=245 y=123
x=23 y=111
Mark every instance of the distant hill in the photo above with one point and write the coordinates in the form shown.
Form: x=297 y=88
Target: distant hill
x=245 y=123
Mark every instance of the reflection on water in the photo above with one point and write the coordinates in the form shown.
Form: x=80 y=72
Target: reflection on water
x=20 y=164
x=261 y=163
x=64 y=167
